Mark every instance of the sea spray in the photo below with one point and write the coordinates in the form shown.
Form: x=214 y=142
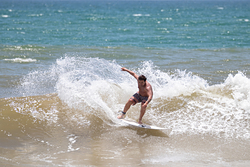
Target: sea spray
x=90 y=84
x=209 y=111
x=182 y=101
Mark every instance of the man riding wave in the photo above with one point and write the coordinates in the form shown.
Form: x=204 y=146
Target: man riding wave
x=144 y=95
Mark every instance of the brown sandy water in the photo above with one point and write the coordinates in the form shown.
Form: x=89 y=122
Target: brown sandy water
x=43 y=131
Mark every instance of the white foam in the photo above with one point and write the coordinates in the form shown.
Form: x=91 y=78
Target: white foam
x=35 y=15
x=188 y=104
x=168 y=86
x=89 y=84
x=182 y=101
x=239 y=85
x=140 y=15
x=72 y=139
x=5 y=16
x=21 y=60
x=219 y=110
x=31 y=106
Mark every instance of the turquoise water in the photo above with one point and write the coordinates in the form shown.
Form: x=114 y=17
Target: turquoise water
x=61 y=84
x=157 y=24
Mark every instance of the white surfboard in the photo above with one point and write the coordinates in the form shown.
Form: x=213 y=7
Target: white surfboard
x=142 y=125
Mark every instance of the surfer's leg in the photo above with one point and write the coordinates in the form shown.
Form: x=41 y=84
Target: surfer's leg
x=126 y=108
x=143 y=110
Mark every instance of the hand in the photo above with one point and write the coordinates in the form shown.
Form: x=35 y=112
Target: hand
x=145 y=104
x=123 y=69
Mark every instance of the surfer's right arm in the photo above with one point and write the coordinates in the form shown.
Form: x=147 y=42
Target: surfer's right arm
x=130 y=72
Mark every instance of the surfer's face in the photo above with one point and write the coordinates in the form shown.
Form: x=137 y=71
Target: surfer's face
x=141 y=82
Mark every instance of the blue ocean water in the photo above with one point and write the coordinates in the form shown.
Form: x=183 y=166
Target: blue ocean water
x=157 y=24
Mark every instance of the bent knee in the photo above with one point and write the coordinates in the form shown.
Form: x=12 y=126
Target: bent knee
x=142 y=106
x=132 y=101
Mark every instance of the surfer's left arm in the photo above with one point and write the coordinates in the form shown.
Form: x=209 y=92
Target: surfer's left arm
x=150 y=95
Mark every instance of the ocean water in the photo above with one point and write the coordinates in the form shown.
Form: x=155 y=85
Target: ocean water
x=61 y=86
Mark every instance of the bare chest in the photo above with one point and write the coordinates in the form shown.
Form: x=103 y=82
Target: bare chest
x=143 y=91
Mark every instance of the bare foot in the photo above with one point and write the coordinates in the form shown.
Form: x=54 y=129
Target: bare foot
x=120 y=116
x=140 y=122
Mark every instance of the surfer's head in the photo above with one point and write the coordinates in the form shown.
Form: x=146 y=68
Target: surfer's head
x=142 y=77
x=142 y=80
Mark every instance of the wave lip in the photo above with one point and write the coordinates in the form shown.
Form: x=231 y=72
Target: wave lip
x=182 y=101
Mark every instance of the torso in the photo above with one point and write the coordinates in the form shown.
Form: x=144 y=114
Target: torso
x=143 y=90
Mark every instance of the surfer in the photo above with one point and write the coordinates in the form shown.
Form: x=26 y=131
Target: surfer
x=144 y=95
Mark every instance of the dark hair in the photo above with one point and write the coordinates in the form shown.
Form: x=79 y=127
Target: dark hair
x=142 y=77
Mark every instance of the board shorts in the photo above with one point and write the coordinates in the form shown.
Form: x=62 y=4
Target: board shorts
x=138 y=98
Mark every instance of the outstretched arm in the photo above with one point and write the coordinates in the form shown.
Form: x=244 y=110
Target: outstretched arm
x=130 y=72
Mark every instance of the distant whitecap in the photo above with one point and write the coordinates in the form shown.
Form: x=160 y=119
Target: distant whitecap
x=138 y=15
x=21 y=60
x=5 y=16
